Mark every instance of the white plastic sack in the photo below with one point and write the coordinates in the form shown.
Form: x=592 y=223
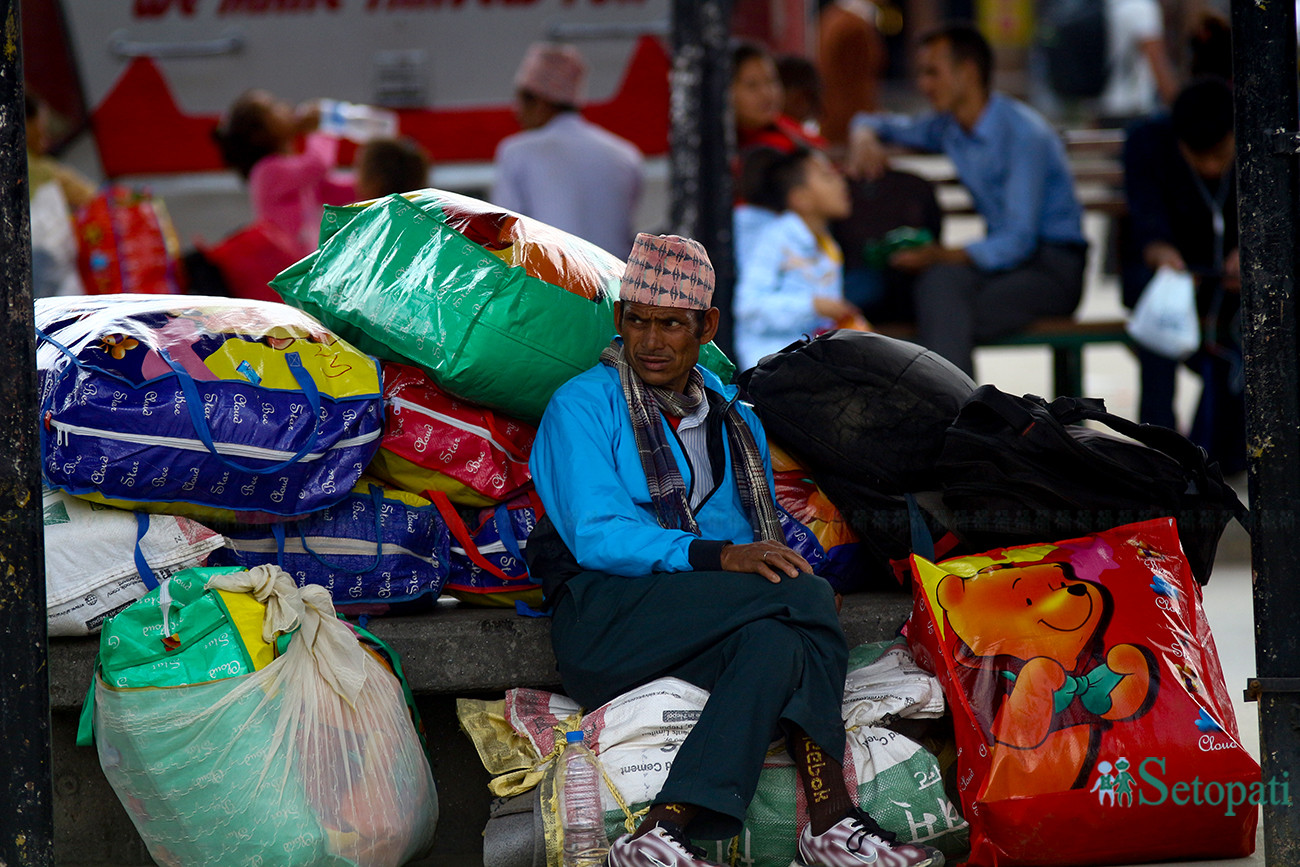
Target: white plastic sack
x=885 y=683
x=313 y=761
x=1165 y=320
x=90 y=567
x=637 y=734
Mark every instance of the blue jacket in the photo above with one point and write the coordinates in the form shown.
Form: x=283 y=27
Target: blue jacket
x=589 y=476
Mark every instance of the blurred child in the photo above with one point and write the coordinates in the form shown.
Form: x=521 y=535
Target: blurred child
x=54 y=192
x=757 y=100
x=791 y=282
x=755 y=207
x=802 y=88
x=390 y=165
x=287 y=189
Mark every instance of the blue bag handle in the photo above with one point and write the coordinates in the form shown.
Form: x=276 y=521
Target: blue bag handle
x=506 y=530
x=194 y=404
x=141 y=565
x=277 y=532
x=376 y=501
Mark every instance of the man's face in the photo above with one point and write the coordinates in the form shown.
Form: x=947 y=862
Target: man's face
x=663 y=343
x=941 y=81
x=529 y=110
x=1212 y=164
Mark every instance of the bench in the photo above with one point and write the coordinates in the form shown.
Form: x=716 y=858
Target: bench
x=1094 y=156
x=1065 y=337
x=456 y=651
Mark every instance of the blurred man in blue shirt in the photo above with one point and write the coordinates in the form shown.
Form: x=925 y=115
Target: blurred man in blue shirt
x=1030 y=263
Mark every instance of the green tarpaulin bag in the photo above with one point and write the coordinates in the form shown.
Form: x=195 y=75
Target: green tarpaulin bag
x=224 y=754
x=500 y=309
x=180 y=633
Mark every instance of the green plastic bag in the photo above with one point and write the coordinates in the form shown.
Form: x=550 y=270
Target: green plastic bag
x=455 y=286
x=191 y=639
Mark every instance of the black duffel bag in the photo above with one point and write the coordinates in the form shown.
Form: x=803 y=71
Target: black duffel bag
x=864 y=407
x=1018 y=470
x=866 y=415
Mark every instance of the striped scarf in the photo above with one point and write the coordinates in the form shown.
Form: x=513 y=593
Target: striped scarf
x=667 y=490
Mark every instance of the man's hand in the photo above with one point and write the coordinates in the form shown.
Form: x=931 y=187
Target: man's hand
x=1159 y=254
x=1232 y=271
x=835 y=309
x=772 y=560
x=867 y=158
x=916 y=259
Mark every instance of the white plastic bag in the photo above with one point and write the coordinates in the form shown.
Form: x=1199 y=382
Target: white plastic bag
x=1165 y=320
x=885 y=683
x=312 y=761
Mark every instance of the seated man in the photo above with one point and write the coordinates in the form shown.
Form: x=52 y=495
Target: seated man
x=660 y=487
x=1031 y=262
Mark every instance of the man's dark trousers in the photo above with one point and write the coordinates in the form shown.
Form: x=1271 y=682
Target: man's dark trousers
x=959 y=306
x=771 y=655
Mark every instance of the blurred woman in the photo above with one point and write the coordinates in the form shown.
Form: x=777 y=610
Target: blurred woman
x=756 y=101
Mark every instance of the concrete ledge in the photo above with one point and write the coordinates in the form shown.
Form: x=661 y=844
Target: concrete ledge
x=452 y=650
x=458 y=649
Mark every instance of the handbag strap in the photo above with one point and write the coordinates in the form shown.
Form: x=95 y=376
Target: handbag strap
x=461 y=534
x=142 y=567
x=194 y=404
x=1073 y=410
x=376 y=503
x=502 y=516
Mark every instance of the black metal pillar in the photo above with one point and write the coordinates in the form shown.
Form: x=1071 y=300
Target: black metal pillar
x=702 y=140
x=1267 y=117
x=26 y=809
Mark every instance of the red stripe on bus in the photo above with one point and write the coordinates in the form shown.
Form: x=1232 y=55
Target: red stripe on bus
x=141 y=130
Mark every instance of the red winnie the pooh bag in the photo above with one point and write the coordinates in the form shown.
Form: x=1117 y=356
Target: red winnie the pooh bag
x=1092 y=722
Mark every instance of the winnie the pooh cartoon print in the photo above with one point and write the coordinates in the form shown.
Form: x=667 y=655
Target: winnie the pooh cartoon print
x=1031 y=635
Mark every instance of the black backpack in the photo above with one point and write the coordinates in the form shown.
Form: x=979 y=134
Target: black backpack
x=1018 y=470
x=866 y=414
x=859 y=405
x=1072 y=37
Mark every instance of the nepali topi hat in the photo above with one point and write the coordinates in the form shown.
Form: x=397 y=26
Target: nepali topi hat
x=668 y=271
x=553 y=72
